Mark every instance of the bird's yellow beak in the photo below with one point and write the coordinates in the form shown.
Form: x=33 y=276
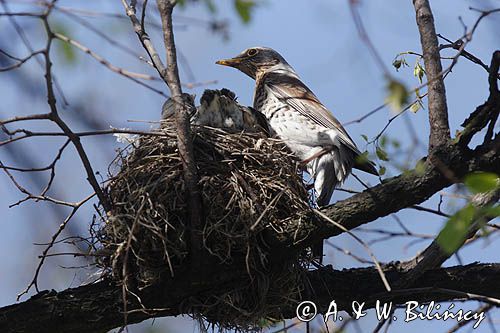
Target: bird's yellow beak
x=233 y=62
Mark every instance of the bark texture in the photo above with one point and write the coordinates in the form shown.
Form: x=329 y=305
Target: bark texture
x=97 y=307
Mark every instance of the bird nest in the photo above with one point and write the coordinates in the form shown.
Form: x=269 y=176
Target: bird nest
x=249 y=188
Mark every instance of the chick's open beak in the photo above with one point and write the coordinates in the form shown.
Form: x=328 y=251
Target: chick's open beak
x=233 y=62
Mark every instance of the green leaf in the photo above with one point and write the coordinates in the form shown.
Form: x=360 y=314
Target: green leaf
x=244 y=9
x=65 y=49
x=397 y=95
x=453 y=235
x=382 y=171
x=68 y=51
x=364 y=137
x=383 y=141
x=395 y=143
x=399 y=62
x=418 y=71
x=417 y=94
x=478 y=182
x=362 y=158
x=418 y=103
x=211 y=6
x=420 y=167
x=492 y=211
x=415 y=107
x=381 y=154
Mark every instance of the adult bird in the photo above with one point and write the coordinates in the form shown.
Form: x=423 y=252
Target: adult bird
x=299 y=119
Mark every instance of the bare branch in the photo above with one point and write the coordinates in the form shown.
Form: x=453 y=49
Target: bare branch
x=107 y=302
x=128 y=74
x=170 y=75
x=52 y=311
x=434 y=256
x=145 y=40
x=41 y=116
x=487 y=112
x=54 y=116
x=27 y=43
x=19 y=62
x=438 y=110
x=184 y=141
x=62 y=226
x=396 y=193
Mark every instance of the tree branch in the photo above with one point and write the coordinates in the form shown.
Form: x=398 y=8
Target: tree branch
x=458 y=278
x=434 y=256
x=97 y=307
x=487 y=112
x=184 y=140
x=451 y=161
x=182 y=106
x=54 y=116
x=438 y=111
x=395 y=193
x=145 y=40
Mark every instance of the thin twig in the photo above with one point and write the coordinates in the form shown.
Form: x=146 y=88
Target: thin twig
x=434 y=256
x=359 y=240
x=128 y=74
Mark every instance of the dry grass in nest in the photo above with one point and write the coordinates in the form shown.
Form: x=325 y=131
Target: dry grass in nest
x=249 y=184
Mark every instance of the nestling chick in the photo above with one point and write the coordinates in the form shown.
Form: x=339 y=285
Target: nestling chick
x=220 y=109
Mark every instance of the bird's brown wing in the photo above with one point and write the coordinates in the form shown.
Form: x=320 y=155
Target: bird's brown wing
x=290 y=90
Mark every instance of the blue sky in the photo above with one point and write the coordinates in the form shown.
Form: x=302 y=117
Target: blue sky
x=318 y=38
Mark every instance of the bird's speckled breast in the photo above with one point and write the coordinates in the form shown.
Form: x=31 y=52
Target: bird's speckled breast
x=298 y=132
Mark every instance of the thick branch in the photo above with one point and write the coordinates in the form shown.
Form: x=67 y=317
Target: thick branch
x=97 y=307
x=434 y=256
x=438 y=111
x=397 y=193
x=364 y=284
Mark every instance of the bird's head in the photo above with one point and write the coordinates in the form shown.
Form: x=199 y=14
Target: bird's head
x=256 y=60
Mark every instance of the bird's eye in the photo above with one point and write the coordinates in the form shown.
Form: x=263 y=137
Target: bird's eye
x=252 y=52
